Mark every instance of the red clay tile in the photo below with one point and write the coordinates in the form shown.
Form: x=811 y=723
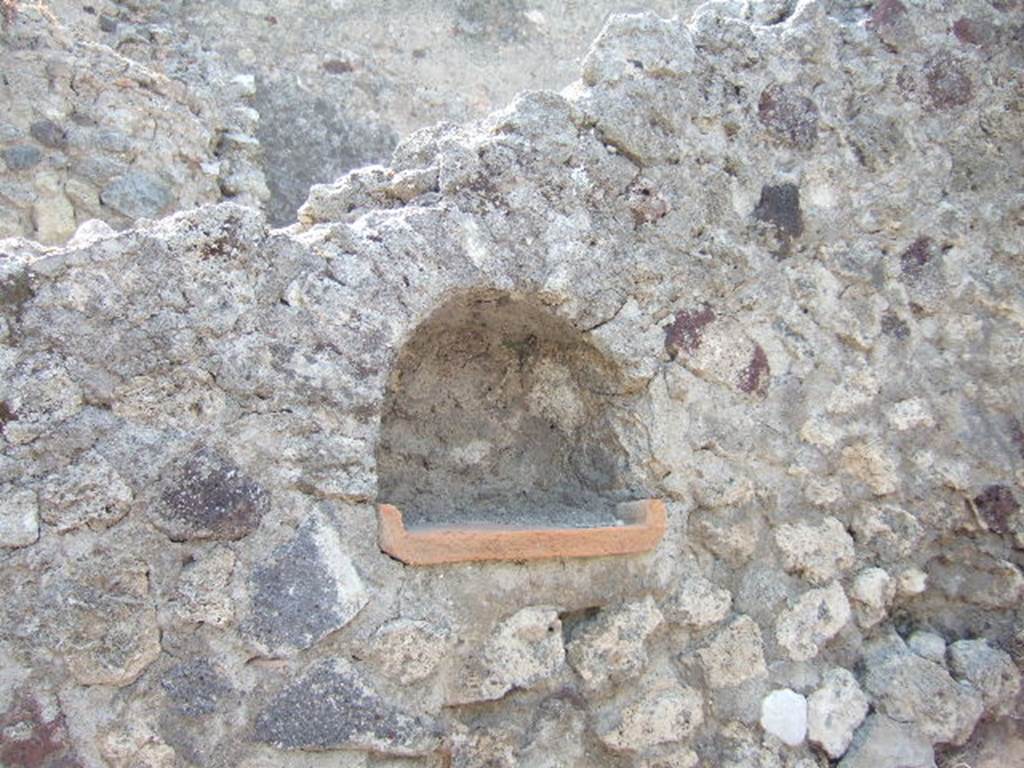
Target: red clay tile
x=429 y=546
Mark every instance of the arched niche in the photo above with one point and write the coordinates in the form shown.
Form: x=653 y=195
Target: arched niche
x=499 y=415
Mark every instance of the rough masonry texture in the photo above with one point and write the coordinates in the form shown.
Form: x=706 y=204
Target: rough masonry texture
x=763 y=263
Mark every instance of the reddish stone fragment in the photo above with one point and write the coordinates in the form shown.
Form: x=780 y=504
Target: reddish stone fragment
x=948 y=83
x=996 y=505
x=789 y=116
x=687 y=332
x=965 y=31
x=34 y=741
x=205 y=496
x=754 y=378
x=975 y=32
x=916 y=256
x=886 y=12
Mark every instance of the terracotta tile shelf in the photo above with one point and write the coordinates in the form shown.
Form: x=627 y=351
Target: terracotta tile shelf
x=642 y=528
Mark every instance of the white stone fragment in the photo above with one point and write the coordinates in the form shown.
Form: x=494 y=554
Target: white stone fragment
x=784 y=715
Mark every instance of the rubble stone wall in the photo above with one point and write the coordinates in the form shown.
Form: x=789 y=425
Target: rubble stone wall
x=797 y=241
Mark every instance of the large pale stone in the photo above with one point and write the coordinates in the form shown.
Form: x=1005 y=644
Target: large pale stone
x=976 y=577
x=912 y=413
x=610 y=650
x=136 y=743
x=204 y=589
x=872 y=465
x=107 y=621
x=835 y=711
x=525 y=650
x=911 y=689
x=731 y=533
x=988 y=669
x=888 y=530
x=928 y=645
x=408 y=650
x=886 y=743
x=872 y=594
x=813 y=619
x=911 y=582
x=698 y=603
x=819 y=552
x=658 y=45
x=661 y=716
x=88 y=493
x=54 y=218
x=735 y=655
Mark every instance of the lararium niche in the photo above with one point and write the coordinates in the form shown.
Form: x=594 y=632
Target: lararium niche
x=502 y=438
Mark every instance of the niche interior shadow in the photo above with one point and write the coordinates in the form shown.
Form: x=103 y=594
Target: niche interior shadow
x=501 y=416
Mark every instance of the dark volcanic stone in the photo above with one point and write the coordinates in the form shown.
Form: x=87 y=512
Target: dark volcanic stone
x=916 y=256
x=195 y=687
x=780 y=206
x=337 y=66
x=997 y=505
x=137 y=194
x=21 y=157
x=49 y=134
x=206 y=496
x=893 y=326
x=331 y=708
x=307 y=590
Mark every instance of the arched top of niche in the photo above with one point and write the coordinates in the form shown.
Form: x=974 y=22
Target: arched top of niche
x=503 y=420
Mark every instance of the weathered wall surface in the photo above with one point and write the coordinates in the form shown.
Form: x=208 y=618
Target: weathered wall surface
x=363 y=74
x=89 y=133
x=799 y=244
x=294 y=94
